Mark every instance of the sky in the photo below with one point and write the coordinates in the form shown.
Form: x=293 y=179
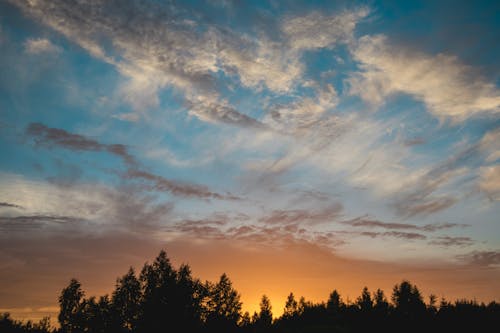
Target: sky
x=296 y=146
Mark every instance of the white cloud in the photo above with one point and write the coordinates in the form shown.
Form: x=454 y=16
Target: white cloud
x=490 y=145
x=40 y=45
x=304 y=113
x=317 y=30
x=490 y=181
x=163 y=50
x=448 y=88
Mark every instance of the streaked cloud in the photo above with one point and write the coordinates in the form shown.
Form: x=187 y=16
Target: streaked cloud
x=303 y=216
x=47 y=136
x=10 y=205
x=178 y=188
x=367 y=222
x=447 y=241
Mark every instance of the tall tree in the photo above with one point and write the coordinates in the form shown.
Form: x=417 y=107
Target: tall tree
x=158 y=282
x=335 y=302
x=407 y=299
x=291 y=307
x=265 y=314
x=70 y=302
x=224 y=305
x=126 y=301
x=365 y=302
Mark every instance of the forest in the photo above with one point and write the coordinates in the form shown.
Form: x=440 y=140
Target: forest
x=164 y=299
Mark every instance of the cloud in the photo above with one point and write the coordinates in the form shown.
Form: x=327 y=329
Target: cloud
x=366 y=222
x=490 y=181
x=79 y=208
x=423 y=206
x=393 y=234
x=40 y=45
x=447 y=241
x=303 y=114
x=482 y=258
x=47 y=136
x=317 y=30
x=217 y=112
x=166 y=48
x=29 y=222
x=178 y=188
x=9 y=205
x=303 y=216
x=447 y=87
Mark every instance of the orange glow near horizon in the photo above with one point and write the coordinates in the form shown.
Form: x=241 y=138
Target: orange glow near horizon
x=304 y=269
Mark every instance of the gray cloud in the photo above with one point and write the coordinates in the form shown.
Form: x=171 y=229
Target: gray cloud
x=6 y=204
x=286 y=217
x=29 y=222
x=482 y=258
x=447 y=241
x=178 y=188
x=365 y=221
x=394 y=234
x=47 y=136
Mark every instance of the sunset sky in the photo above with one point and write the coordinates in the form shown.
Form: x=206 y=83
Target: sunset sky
x=296 y=146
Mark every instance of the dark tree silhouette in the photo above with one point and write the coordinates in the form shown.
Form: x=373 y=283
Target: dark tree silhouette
x=223 y=306
x=365 y=302
x=264 y=319
x=70 y=303
x=126 y=301
x=291 y=307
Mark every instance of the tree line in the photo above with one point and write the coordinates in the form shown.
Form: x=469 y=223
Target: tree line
x=164 y=299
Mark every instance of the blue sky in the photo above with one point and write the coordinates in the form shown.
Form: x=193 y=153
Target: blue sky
x=369 y=130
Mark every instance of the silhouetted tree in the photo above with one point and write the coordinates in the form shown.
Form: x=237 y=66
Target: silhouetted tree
x=334 y=303
x=291 y=307
x=224 y=305
x=407 y=299
x=70 y=303
x=365 y=302
x=264 y=319
x=158 y=281
x=126 y=301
